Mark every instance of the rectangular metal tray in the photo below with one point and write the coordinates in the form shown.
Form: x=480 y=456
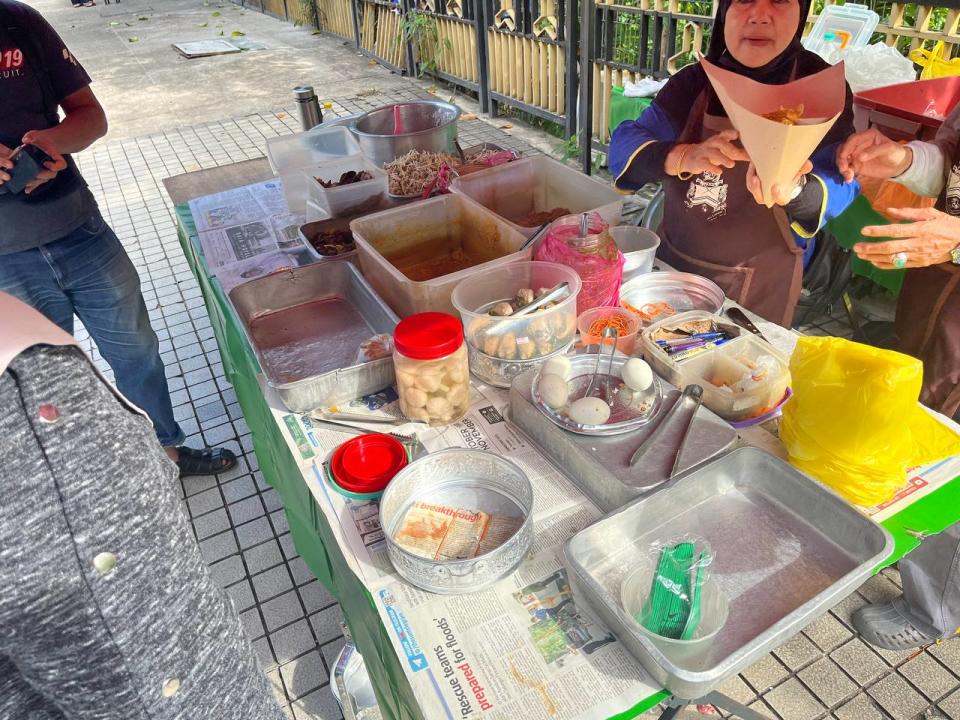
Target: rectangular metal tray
x=600 y=465
x=288 y=289
x=786 y=549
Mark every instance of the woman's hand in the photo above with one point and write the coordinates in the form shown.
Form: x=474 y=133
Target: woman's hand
x=55 y=164
x=781 y=193
x=872 y=154
x=712 y=155
x=928 y=241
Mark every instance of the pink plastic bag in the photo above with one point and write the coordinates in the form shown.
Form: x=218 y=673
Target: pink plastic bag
x=595 y=257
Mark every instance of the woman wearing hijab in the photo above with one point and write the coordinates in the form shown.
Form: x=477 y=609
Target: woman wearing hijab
x=715 y=223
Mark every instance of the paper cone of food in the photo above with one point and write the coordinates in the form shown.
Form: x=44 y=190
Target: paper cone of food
x=780 y=125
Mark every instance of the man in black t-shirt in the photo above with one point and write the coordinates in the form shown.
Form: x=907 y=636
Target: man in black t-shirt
x=56 y=251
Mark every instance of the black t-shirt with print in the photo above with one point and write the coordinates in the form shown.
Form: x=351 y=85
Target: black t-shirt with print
x=37 y=71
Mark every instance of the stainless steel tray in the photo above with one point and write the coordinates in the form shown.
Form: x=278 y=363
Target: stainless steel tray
x=684 y=291
x=276 y=295
x=600 y=465
x=786 y=549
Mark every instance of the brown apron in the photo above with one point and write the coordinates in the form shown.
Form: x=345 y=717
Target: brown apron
x=928 y=316
x=713 y=227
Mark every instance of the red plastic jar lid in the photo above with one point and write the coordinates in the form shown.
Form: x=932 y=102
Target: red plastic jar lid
x=367 y=463
x=428 y=336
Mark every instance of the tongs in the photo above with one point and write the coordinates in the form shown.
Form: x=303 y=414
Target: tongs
x=407 y=440
x=691 y=392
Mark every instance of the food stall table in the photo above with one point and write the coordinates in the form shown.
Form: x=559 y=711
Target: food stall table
x=397 y=628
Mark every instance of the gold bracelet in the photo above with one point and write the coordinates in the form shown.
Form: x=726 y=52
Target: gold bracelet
x=680 y=174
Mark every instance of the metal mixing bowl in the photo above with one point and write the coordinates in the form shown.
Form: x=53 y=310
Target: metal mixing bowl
x=427 y=125
x=471 y=480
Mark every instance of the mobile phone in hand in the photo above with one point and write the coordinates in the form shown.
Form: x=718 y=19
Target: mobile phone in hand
x=28 y=161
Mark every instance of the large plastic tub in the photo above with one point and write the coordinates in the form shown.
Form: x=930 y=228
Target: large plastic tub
x=290 y=155
x=395 y=245
x=908 y=111
x=517 y=190
x=840 y=27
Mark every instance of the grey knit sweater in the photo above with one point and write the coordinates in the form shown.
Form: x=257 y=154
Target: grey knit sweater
x=107 y=611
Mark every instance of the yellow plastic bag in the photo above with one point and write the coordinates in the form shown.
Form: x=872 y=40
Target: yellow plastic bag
x=933 y=62
x=854 y=422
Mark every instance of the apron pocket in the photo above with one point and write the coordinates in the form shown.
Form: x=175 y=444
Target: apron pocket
x=734 y=281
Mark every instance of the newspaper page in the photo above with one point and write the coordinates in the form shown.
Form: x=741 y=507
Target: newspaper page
x=242 y=224
x=523 y=648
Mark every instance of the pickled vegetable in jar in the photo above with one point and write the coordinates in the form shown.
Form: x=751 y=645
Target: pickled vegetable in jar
x=433 y=374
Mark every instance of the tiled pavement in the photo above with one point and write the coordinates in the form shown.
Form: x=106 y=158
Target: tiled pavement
x=291 y=619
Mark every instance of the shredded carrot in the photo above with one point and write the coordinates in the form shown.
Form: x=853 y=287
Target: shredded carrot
x=651 y=311
x=616 y=321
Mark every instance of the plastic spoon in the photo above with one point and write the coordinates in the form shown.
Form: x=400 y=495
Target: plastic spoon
x=397 y=122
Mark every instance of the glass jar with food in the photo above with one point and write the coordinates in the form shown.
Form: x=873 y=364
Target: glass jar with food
x=433 y=374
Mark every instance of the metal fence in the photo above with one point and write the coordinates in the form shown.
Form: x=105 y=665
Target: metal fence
x=560 y=59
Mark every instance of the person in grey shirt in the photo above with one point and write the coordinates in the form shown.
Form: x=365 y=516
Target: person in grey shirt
x=56 y=251
x=928 y=327
x=107 y=611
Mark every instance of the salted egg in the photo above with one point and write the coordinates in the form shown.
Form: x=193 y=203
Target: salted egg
x=559 y=365
x=636 y=374
x=589 y=411
x=554 y=391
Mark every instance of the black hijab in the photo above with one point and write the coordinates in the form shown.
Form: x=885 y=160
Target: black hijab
x=690 y=88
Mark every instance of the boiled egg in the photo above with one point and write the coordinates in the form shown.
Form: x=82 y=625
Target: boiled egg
x=636 y=374
x=589 y=411
x=554 y=391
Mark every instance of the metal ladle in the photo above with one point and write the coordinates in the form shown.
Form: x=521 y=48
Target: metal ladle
x=609 y=333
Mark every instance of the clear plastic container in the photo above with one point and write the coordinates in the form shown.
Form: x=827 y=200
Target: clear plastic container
x=625 y=342
x=398 y=249
x=513 y=341
x=639 y=247
x=352 y=199
x=518 y=190
x=714 y=610
x=289 y=155
x=741 y=379
x=839 y=27
x=433 y=375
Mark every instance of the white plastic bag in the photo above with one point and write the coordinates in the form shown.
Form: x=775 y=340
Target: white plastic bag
x=875 y=66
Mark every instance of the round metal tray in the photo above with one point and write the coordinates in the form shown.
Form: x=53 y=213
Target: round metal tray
x=624 y=417
x=684 y=291
x=465 y=479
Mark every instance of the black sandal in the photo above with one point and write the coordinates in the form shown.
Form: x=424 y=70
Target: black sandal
x=208 y=461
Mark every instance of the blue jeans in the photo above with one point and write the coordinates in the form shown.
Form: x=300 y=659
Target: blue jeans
x=88 y=273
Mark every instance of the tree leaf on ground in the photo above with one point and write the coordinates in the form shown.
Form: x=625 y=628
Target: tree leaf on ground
x=317 y=32
x=133 y=38
x=237 y=33
x=114 y=23
x=466 y=117
x=143 y=18
x=216 y=13
x=506 y=126
x=202 y=24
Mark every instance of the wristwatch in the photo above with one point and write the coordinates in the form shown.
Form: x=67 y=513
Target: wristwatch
x=955 y=255
x=798 y=188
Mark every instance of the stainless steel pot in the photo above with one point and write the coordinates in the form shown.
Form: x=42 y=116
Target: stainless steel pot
x=427 y=125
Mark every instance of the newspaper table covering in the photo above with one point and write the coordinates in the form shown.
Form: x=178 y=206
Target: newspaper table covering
x=521 y=648
x=244 y=228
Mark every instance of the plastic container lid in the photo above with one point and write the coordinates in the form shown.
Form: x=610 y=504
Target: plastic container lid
x=367 y=463
x=428 y=336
